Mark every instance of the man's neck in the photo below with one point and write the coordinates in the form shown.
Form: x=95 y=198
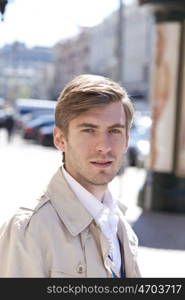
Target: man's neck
x=97 y=191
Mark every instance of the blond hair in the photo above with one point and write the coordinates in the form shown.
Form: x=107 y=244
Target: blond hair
x=88 y=91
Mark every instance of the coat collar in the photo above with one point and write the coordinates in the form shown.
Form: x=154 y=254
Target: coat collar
x=72 y=213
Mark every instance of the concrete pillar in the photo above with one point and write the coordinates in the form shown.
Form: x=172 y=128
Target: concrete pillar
x=164 y=188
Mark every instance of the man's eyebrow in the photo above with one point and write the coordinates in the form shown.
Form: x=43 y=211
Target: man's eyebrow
x=87 y=125
x=116 y=125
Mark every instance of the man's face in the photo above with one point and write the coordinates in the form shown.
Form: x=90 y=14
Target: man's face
x=95 y=144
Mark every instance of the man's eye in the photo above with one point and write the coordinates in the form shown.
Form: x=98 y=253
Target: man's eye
x=114 y=130
x=90 y=130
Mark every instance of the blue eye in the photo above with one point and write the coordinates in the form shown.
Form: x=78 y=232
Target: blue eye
x=114 y=130
x=89 y=130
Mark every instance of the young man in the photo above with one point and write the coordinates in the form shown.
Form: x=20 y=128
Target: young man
x=77 y=229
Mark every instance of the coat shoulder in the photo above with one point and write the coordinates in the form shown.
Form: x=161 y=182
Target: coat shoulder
x=18 y=222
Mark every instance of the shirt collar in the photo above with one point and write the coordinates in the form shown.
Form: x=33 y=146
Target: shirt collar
x=105 y=213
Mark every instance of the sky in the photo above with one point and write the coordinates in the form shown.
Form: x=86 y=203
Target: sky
x=45 y=22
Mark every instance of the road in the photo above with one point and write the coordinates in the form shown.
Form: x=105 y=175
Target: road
x=26 y=168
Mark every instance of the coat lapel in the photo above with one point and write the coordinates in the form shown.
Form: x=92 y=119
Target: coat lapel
x=68 y=207
x=128 y=242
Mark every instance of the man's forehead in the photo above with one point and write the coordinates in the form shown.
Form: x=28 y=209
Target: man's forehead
x=110 y=114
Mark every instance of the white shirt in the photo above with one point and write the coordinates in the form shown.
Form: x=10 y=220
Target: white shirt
x=103 y=213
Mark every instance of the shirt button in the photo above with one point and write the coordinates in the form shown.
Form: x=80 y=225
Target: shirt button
x=80 y=268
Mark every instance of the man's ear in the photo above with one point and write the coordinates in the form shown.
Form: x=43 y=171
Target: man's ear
x=58 y=139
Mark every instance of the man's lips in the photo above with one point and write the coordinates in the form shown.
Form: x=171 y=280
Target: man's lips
x=102 y=164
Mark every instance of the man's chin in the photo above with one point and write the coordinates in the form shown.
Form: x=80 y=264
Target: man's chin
x=99 y=183
x=101 y=179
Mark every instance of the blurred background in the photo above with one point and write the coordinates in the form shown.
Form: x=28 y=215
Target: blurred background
x=140 y=44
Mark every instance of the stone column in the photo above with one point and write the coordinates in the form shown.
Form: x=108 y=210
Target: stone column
x=164 y=188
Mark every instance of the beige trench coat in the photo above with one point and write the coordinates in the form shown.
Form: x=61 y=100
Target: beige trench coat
x=58 y=238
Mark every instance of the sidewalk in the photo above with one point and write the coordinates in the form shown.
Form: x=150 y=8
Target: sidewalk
x=161 y=235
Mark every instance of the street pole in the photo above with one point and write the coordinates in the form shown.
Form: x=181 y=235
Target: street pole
x=120 y=62
x=120 y=43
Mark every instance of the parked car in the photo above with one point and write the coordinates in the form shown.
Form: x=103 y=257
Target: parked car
x=28 y=109
x=45 y=136
x=139 y=143
x=2 y=103
x=31 y=128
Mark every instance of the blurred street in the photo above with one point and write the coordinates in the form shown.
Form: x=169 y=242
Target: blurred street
x=26 y=169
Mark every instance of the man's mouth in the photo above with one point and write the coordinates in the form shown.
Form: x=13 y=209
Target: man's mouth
x=102 y=164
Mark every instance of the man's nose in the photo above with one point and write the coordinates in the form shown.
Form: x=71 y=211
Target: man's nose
x=103 y=144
